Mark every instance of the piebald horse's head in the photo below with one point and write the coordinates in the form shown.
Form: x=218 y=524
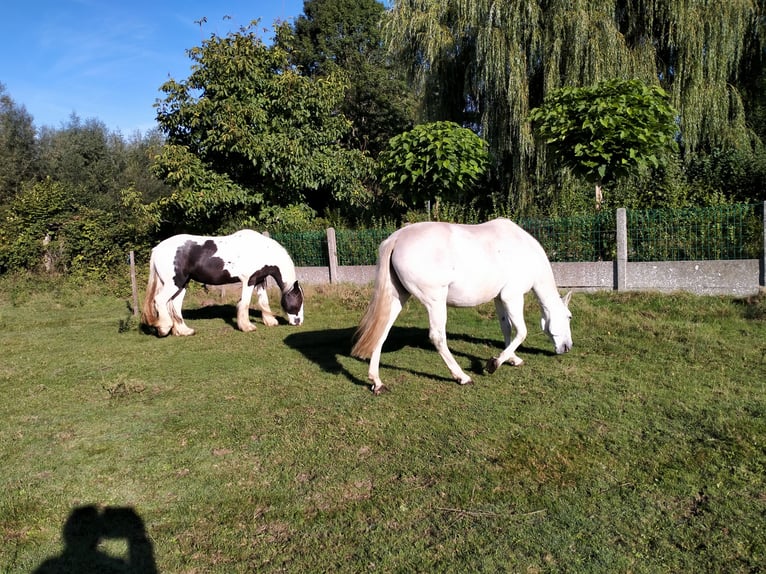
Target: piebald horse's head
x=292 y=303
x=555 y=324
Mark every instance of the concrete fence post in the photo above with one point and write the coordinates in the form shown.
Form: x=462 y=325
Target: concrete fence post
x=332 y=254
x=762 y=260
x=621 y=263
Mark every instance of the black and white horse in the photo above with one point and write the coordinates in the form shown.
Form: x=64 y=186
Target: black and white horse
x=245 y=256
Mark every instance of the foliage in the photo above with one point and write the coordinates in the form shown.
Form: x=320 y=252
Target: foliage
x=640 y=450
x=47 y=229
x=346 y=35
x=489 y=62
x=34 y=214
x=246 y=129
x=736 y=175
x=18 y=152
x=609 y=130
x=438 y=160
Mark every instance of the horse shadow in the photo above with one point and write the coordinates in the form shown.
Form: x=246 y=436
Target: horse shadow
x=225 y=312
x=325 y=347
x=88 y=526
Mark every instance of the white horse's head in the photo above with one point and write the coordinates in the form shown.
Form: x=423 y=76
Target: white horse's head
x=555 y=324
x=292 y=303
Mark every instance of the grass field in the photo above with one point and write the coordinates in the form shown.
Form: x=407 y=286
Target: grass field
x=642 y=450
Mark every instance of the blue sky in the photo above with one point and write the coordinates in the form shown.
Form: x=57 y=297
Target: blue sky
x=105 y=59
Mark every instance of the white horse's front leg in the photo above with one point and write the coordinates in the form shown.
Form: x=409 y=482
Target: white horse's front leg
x=243 y=308
x=263 y=302
x=437 y=318
x=510 y=312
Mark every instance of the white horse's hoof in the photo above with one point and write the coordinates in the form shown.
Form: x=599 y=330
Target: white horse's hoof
x=468 y=381
x=379 y=389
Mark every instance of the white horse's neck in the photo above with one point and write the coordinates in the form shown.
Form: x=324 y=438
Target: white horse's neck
x=546 y=291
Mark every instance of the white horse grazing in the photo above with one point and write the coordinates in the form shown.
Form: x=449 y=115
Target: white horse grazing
x=463 y=266
x=245 y=256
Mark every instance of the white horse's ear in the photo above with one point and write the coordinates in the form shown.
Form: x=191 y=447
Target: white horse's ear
x=566 y=298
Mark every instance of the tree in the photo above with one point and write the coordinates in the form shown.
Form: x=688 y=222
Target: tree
x=246 y=130
x=345 y=35
x=491 y=62
x=18 y=148
x=608 y=130
x=436 y=161
x=80 y=155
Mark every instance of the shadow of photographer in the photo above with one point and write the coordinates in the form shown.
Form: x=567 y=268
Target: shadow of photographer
x=86 y=527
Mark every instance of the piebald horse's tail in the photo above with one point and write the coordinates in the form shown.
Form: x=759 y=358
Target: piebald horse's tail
x=375 y=319
x=149 y=315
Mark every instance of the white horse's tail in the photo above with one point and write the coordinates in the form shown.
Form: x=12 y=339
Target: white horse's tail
x=149 y=314
x=378 y=311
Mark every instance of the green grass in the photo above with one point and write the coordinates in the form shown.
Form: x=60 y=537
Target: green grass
x=642 y=450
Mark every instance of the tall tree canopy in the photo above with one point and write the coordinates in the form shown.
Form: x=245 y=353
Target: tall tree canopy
x=489 y=62
x=17 y=147
x=346 y=35
x=246 y=130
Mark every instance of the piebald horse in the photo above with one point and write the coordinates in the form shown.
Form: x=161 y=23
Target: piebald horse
x=444 y=264
x=245 y=256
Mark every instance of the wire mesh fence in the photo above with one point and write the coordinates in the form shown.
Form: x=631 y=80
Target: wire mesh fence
x=581 y=238
x=721 y=232
x=307 y=248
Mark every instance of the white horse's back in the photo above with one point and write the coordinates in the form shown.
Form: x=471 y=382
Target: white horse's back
x=473 y=263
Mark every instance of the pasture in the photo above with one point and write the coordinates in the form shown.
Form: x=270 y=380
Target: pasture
x=641 y=450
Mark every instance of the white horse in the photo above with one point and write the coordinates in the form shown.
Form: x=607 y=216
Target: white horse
x=245 y=256
x=463 y=266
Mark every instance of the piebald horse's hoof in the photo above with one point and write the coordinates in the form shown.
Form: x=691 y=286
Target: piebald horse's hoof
x=378 y=390
x=492 y=365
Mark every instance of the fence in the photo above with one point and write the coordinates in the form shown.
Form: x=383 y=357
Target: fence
x=717 y=250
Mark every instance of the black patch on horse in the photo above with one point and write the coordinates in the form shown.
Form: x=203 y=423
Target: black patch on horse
x=259 y=276
x=198 y=262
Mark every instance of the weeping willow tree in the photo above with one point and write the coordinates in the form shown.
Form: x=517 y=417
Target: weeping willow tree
x=486 y=63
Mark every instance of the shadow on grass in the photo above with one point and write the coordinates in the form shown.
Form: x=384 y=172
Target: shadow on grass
x=86 y=527
x=225 y=312
x=325 y=347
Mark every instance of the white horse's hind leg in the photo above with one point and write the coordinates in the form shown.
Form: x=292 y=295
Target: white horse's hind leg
x=243 y=309
x=437 y=332
x=263 y=302
x=373 y=373
x=510 y=312
x=180 y=328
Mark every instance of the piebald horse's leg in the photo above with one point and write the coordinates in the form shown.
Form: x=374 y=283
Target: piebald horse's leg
x=437 y=332
x=510 y=312
x=373 y=373
x=243 y=308
x=180 y=328
x=163 y=306
x=263 y=302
